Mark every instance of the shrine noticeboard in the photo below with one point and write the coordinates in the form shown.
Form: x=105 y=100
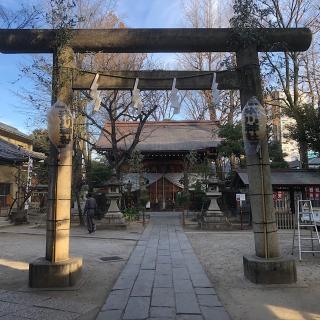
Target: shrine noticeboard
x=240 y=197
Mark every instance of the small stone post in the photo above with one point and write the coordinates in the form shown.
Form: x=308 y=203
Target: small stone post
x=57 y=269
x=266 y=266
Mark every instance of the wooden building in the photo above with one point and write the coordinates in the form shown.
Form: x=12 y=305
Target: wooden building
x=288 y=186
x=16 y=150
x=165 y=146
x=14 y=162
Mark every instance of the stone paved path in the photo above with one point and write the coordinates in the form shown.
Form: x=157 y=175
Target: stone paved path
x=163 y=279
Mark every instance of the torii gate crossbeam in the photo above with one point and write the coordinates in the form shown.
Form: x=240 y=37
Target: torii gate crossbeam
x=153 y=40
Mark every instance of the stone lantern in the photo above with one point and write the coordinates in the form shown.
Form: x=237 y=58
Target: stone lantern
x=114 y=216
x=214 y=217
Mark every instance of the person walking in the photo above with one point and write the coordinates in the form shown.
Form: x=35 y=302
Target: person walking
x=89 y=209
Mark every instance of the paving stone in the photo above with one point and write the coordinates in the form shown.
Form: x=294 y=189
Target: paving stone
x=124 y=283
x=163 y=281
x=163 y=265
x=117 y=300
x=162 y=312
x=130 y=270
x=164 y=268
x=36 y=313
x=180 y=273
x=148 y=266
x=137 y=308
x=149 y=258
x=164 y=259
x=194 y=268
x=162 y=297
x=190 y=317
x=204 y=291
x=192 y=260
x=162 y=318
x=110 y=315
x=219 y=313
x=176 y=263
x=187 y=303
x=200 y=280
x=163 y=252
x=142 y=289
x=9 y=308
x=152 y=244
x=136 y=260
x=182 y=285
x=209 y=300
x=152 y=248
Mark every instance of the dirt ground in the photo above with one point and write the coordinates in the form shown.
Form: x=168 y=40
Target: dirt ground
x=20 y=245
x=221 y=255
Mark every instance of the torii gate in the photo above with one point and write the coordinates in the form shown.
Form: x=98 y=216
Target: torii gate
x=58 y=268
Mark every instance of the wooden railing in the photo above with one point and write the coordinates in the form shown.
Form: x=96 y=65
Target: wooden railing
x=285 y=219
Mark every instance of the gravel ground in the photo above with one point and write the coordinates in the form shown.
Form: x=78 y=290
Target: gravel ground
x=221 y=255
x=20 y=245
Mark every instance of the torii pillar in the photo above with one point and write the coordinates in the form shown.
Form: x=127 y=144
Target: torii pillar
x=267 y=266
x=58 y=269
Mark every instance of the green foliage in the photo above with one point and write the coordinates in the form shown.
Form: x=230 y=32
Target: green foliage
x=203 y=168
x=307 y=128
x=131 y=214
x=248 y=14
x=276 y=155
x=63 y=17
x=245 y=14
x=233 y=142
x=143 y=198
x=183 y=199
x=63 y=14
x=199 y=196
x=99 y=172
x=40 y=140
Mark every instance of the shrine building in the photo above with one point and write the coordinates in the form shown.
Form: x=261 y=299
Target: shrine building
x=165 y=146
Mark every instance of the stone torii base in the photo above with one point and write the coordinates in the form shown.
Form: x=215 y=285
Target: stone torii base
x=279 y=270
x=47 y=274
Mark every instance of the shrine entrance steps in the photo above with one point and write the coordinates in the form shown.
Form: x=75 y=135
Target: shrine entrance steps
x=163 y=279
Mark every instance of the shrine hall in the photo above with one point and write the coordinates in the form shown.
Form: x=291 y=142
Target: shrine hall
x=164 y=146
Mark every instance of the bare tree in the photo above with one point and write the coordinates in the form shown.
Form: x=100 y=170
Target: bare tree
x=25 y=16
x=293 y=73
x=115 y=112
x=201 y=104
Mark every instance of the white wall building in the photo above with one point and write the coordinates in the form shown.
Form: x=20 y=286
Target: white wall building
x=289 y=146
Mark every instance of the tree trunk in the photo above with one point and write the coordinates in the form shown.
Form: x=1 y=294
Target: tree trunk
x=81 y=219
x=303 y=151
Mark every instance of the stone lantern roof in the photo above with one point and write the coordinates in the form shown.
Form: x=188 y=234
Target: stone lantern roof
x=113 y=181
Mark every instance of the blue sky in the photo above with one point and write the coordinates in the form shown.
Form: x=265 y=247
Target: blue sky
x=135 y=13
